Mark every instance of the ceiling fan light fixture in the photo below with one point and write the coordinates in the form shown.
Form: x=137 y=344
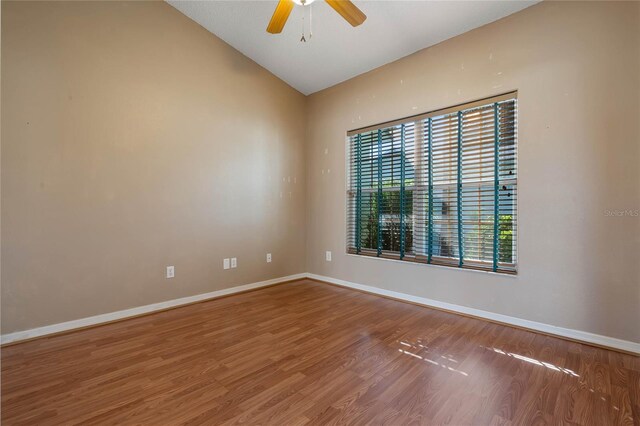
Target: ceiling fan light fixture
x=303 y=2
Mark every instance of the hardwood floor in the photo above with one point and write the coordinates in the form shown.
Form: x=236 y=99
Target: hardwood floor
x=311 y=353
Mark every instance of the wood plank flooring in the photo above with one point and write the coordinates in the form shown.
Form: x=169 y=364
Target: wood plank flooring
x=311 y=353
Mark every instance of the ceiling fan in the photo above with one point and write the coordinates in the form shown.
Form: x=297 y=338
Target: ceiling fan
x=345 y=8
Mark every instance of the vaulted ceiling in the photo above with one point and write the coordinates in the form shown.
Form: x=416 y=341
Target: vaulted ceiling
x=337 y=51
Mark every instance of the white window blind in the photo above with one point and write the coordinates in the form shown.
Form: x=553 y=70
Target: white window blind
x=438 y=188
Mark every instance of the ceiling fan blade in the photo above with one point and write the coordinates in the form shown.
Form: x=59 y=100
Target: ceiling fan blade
x=348 y=11
x=280 y=16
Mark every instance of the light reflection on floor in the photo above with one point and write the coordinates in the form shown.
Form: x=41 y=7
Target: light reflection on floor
x=549 y=366
x=430 y=361
x=418 y=347
x=534 y=361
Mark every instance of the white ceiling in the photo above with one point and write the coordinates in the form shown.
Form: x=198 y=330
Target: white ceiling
x=337 y=51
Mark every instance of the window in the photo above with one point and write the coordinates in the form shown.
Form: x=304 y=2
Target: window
x=437 y=188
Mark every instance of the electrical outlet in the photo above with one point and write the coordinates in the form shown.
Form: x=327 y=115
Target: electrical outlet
x=268 y=257
x=225 y=264
x=328 y=256
x=171 y=271
x=234 y=262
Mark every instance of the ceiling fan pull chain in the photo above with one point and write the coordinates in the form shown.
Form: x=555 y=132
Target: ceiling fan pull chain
x=303 y=40
x=310 y=22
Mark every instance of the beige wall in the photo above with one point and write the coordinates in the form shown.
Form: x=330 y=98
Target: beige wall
x=133 y=139
x=576 y=67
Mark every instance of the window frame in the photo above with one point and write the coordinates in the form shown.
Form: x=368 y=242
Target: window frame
x=413 y=254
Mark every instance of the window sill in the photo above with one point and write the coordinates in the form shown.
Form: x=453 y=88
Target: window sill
x=513 y=274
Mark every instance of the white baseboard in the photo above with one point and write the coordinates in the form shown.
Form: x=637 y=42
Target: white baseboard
x=578 y=335
x=582 y=336
x=113 y=316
